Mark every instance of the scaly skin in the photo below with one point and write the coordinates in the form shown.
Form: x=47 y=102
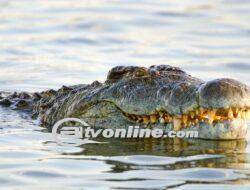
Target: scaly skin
x=158 y=96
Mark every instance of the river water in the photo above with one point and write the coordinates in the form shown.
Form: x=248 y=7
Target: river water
x=48 y=43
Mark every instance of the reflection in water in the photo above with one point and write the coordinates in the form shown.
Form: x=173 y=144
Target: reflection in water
x=232 y=153
x=46 y=44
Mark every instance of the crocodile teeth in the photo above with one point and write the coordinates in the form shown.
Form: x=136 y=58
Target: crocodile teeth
x=248 y=114
x=177 y=124
x=145 y=119
x=192 y=115
x=153 y=119
x=218 y=117
x=236 y=112
x=243 y=115
x=139 y=119
x=239 y=114
x=184 y=119
x=162 y=120
x=196 y=121
x=211 y=115
x=230 y=114
x=197 y=112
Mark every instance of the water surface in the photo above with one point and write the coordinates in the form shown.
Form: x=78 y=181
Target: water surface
x=48 y=43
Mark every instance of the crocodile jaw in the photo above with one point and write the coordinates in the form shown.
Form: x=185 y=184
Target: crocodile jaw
x=227 y=130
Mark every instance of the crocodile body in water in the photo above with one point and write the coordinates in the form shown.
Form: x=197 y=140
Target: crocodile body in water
x=158 y=96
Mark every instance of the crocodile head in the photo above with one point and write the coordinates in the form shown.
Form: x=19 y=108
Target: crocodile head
x=158 y=96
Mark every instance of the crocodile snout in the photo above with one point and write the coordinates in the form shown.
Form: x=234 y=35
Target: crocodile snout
x=224 y=93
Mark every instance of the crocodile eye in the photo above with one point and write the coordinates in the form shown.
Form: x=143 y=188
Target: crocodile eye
x=140 y=72
x=120 y=72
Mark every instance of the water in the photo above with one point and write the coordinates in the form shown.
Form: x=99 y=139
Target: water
x=49 y=43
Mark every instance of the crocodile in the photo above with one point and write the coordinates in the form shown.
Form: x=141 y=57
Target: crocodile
x=160 y=96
